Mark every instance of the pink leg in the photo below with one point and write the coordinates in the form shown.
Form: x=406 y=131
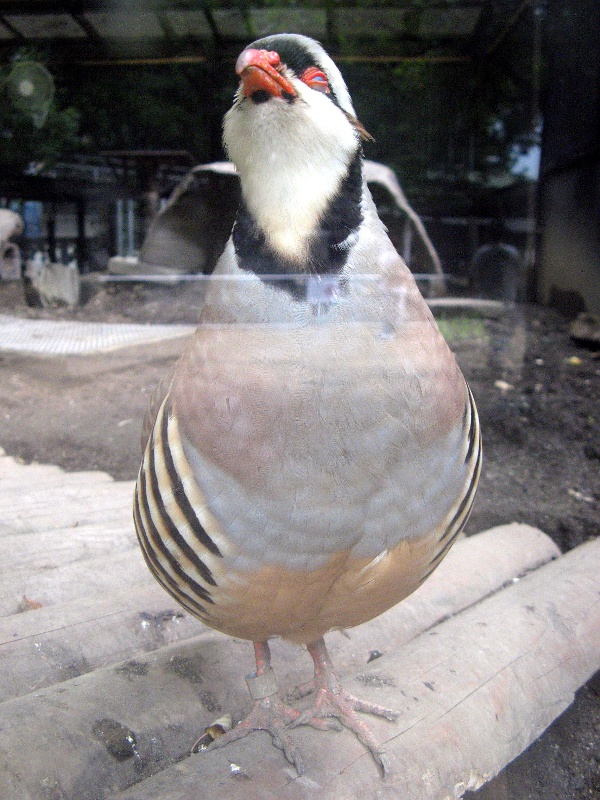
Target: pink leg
x=269 y=712
x=333 y=701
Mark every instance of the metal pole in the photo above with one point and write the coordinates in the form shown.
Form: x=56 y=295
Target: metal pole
x=532 y=194
x=130 y=226
x=119 y=227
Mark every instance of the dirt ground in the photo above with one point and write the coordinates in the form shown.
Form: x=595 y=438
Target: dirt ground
x=538 y=397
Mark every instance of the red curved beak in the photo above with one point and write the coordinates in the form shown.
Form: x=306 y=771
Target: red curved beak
x=258 y=72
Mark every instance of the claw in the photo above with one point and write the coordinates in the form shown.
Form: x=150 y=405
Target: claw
x=290 y=749
x=383 y=762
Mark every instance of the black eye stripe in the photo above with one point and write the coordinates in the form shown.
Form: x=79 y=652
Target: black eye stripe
x=294 y=56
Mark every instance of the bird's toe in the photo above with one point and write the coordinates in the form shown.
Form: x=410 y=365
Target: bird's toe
x=269 y=714
x=334 y=708
x=321 y=723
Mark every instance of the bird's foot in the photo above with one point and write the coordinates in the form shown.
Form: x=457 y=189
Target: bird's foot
x=269 y=714
x=333 y=702
x=332 y=707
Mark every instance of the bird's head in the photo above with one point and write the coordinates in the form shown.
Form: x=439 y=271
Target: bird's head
x=293 y=135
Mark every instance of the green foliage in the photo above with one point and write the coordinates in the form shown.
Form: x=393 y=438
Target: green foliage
x=451 y=121
x=152 y=107
x=24 y=144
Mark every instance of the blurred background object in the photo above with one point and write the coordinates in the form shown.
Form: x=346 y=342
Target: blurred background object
x=11 y=225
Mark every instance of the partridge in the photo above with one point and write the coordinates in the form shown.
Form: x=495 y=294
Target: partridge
x=317 y=450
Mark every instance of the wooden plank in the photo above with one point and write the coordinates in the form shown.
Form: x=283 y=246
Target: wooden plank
x=167 y=697
x=91 y=577
x=57 y=512
x=11 y=471
x=475 y=568
x=98 y=476
x=37 y=499
x=54 y=643
x=65 y=493
x=24 y=479
x=32 y=481
x=29 y=553
x=14 y=473
x=65 y=485
x=473 y=694
x=8 y=463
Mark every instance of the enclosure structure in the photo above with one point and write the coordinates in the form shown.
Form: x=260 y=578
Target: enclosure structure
x=473 y=188
x=569 y=264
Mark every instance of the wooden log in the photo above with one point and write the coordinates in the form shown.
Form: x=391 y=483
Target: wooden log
x=97 y=577
x=474 y=568
x=54 y=644
x=48 y=510
x=63 y=518
x=131 y=720
x=34 y=492
x=13 y=474
x=473 y=693
x=31 y=481
x=29 y=553
x=63 y=640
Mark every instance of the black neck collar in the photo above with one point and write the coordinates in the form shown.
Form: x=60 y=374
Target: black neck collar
x=329 y=246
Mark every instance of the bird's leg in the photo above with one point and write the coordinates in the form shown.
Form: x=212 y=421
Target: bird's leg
x=332 y=700
x=269 y=712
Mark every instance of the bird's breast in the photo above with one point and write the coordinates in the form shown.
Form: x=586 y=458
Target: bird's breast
x=315 y=440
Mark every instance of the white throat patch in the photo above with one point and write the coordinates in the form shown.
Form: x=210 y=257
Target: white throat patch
x=292 y=158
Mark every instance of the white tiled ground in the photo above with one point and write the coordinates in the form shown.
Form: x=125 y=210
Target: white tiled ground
x=70 y=338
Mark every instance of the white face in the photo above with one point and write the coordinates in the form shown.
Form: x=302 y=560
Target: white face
x=291 y=157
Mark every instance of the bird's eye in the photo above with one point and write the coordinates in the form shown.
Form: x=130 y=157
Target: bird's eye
x=316 y=79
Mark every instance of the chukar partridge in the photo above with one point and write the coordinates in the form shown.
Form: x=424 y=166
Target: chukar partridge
x=317 y=450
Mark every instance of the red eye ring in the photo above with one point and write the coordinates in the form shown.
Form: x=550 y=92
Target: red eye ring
x=316 y=79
